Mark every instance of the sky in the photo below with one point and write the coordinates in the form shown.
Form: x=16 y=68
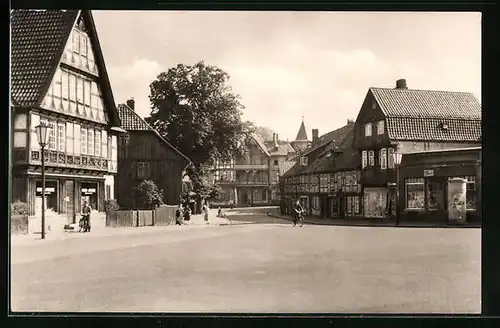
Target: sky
x=286 y=65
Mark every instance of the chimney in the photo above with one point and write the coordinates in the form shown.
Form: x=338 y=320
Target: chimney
x=275 y=140
x=350 y=121
x=131 y=103
x=315 y=135
x=401 y=84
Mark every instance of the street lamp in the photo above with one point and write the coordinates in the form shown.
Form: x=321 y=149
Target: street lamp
x=41 y=133
x=397 y=157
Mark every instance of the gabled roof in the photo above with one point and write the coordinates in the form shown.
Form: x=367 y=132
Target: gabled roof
x=420 y=114
x=302 y=134
x=335 y=137
x=131 y=121
x=295 y=170
x=411 y=103
x=38 y=39
x=260 y=143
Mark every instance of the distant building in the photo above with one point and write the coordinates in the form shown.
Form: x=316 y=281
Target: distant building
x=146 y=156
x=301 y=142
x=58 y=77
x=406 y=121
x=252 y=179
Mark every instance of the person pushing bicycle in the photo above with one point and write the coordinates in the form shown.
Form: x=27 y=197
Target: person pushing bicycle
x=299 y=210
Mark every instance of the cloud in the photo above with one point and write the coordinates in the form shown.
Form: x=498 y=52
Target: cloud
x=132 y=80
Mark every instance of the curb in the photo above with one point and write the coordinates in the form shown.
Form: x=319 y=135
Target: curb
x=382 y=224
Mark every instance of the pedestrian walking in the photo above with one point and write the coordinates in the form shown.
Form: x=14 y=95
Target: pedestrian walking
x=178 y=215
x=205 y=212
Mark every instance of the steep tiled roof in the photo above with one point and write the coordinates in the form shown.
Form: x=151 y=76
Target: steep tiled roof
x=131 y=121
x=432 y=130
x=296 y=169
x=427 y=103
x=284 y=167
x=302 y=134
x=336 y=137
x=420 y=114
x=38 y=39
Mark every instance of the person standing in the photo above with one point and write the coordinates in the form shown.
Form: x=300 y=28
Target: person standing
x=205 y=212
x=178 y=215
x=187 y=214
x=86 y=210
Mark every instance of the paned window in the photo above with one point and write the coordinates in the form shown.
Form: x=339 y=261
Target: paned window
x=97 y=143
x=380 y=127
x=61 y=137
x=353 y=207
x=390 y=158
x=83 y=141
x=142 y=170
x=368 y=129
x=90 y=141
x=383 y=158
x=364 y=159
x=415 y=193
x=52 y=136
x=371 y=157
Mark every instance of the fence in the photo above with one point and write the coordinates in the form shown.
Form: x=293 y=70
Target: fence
x=161 y=216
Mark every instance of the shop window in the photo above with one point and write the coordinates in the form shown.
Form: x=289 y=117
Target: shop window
x=353 y=207
x=383 y=158
x=375 y=202
x=415 y=193
x=142 y=170
x=371 y=158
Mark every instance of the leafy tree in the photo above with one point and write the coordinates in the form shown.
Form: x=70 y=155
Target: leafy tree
x=148 y=194
x=265 y=133
x=194 y=108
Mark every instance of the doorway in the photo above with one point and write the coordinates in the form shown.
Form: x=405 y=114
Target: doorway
x=436 y=194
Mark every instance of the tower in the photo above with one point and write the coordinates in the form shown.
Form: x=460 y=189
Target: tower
x=301 y=142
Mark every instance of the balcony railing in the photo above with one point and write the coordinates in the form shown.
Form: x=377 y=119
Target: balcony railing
x=251 y=166
x=73 y=161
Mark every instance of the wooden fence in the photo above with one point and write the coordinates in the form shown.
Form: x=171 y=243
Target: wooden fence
x=161 y=216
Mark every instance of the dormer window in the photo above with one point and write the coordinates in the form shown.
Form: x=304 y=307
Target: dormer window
x=444 y=126
x=368 y=129
x=303 y=161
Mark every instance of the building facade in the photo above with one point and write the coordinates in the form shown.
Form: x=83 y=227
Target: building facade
x=424 y=177
x=252 y=179
x=326 y=178
x=146 y=156
x=406 y=121
x=58 y=77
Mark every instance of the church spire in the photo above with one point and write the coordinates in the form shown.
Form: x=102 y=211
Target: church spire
x=302 y=135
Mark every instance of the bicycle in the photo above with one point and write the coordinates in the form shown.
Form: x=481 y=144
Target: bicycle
x=299 y=220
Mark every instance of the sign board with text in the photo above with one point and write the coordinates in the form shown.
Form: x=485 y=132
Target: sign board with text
x=428 y=173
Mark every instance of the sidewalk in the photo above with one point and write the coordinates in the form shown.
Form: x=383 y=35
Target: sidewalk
x=100 y=230
x=375 y=223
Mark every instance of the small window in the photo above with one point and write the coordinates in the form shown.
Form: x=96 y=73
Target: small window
x=364 y=158
x=52 y=136
x=275 y=162
x=380 y=127
x=371 y=158
x=61 y=137
x=142 y=170
x=383 y=158
x=303 y=161
x=368 y=129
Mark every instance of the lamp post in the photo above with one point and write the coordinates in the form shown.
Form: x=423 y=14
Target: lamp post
x=397 y=157
x=41 y=133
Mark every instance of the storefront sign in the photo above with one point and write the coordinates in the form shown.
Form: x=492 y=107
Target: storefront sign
x=88 y=190
x=428 y=173
x=48 y=190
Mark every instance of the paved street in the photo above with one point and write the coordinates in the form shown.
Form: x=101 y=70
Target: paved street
x=258 y=264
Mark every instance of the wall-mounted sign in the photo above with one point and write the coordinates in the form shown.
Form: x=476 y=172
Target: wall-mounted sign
x=48 y=190
x=428 y=173
x=88 y=190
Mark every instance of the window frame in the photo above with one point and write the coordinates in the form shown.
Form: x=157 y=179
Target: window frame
x=371 y=158
x=383 y=159
x=368 y=129
x=61 y=137
x=364 y=159
x=380 y=127
x=142 y=170
x=390 y=158
x=414 y=181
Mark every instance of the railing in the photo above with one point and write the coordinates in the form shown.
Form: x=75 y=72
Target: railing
x=73 y=161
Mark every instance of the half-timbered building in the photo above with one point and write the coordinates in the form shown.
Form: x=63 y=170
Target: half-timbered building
x=58 y=77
